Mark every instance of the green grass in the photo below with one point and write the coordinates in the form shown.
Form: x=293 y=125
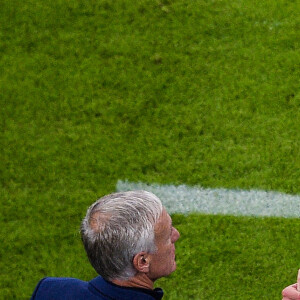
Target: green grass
x=194 y=92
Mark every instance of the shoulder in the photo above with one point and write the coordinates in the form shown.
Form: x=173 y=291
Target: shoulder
x=62 y=288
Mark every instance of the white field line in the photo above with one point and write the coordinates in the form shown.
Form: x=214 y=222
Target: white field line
x=185 y=199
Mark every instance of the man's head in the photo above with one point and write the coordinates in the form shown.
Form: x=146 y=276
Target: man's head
x=127 y=233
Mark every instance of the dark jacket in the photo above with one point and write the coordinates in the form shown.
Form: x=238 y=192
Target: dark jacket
x=51 y=288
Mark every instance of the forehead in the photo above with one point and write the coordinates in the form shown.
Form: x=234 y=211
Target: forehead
x=163 y=225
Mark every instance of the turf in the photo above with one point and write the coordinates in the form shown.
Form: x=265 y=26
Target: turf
x=193 y=92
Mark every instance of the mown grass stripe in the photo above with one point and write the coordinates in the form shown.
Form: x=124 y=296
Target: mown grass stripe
x=186 y=199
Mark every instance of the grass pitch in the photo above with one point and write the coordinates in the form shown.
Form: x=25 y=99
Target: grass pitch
x=193 y=92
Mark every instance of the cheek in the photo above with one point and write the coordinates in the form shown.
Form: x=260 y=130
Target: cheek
x=167 y=255
x=170 y=255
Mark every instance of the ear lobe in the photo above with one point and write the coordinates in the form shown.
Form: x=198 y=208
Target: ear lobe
x=141 y=262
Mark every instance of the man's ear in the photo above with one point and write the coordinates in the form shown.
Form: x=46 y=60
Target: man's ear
x=141 y=262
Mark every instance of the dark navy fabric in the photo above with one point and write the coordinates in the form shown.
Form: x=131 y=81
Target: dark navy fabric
x=52 y=288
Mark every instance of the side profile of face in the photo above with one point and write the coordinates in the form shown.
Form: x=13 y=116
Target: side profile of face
x=162 y=262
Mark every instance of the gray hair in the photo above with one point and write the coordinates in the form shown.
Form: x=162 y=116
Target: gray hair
x=116 y=228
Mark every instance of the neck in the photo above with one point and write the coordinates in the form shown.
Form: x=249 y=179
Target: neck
x=138 y=281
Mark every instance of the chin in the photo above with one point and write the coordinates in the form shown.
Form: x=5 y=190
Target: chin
x=173 y=267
